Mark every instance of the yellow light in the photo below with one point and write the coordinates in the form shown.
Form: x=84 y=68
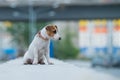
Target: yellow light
x=115 y=22
x=104 y=22
x=83 y=22
x=118 y=22
x=97 y=22
x=8 y=24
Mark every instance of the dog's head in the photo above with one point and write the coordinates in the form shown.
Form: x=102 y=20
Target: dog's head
x=52 y=31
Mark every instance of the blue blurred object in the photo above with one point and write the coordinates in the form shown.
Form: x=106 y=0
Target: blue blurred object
x=116 y=56
x=101 y=61
x=83 y=50
x=104 y=50
x=115 y=50
x=101 y=58
x=10 y=52
x=51 y=49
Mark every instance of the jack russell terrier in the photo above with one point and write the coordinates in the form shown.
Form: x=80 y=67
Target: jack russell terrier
x=39 y=47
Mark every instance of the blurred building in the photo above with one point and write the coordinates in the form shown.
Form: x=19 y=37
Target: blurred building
x=96 y=21
x=99 y=36
x=23 y=10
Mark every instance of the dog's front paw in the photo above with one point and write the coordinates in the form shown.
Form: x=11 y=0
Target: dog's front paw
x=35 y=63
x=50 y=63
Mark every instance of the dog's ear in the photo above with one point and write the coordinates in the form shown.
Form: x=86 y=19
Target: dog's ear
x=56 y=26
x=48 y=28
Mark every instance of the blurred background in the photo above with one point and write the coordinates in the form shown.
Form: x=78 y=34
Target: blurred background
x=90 y=30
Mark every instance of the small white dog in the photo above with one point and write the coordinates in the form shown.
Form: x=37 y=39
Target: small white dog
x=39 y=47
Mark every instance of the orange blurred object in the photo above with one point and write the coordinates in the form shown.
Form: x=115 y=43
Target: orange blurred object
x=83 y=29
x=100 y=29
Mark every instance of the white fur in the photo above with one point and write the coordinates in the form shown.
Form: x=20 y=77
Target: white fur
x=56 y=36
x=39 y=48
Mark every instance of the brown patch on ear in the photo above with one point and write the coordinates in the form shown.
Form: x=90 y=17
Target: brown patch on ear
x=56 y=26
x=51 y=27
x=48 y=28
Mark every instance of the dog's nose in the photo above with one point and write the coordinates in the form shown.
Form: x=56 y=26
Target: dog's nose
x=59 y=38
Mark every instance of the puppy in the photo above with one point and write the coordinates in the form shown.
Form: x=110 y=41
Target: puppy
x=39 y=47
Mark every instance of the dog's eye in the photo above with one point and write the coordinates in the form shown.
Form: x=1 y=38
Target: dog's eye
x=54 y=32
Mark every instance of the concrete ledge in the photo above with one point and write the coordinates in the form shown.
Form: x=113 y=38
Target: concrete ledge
x=14 y=70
